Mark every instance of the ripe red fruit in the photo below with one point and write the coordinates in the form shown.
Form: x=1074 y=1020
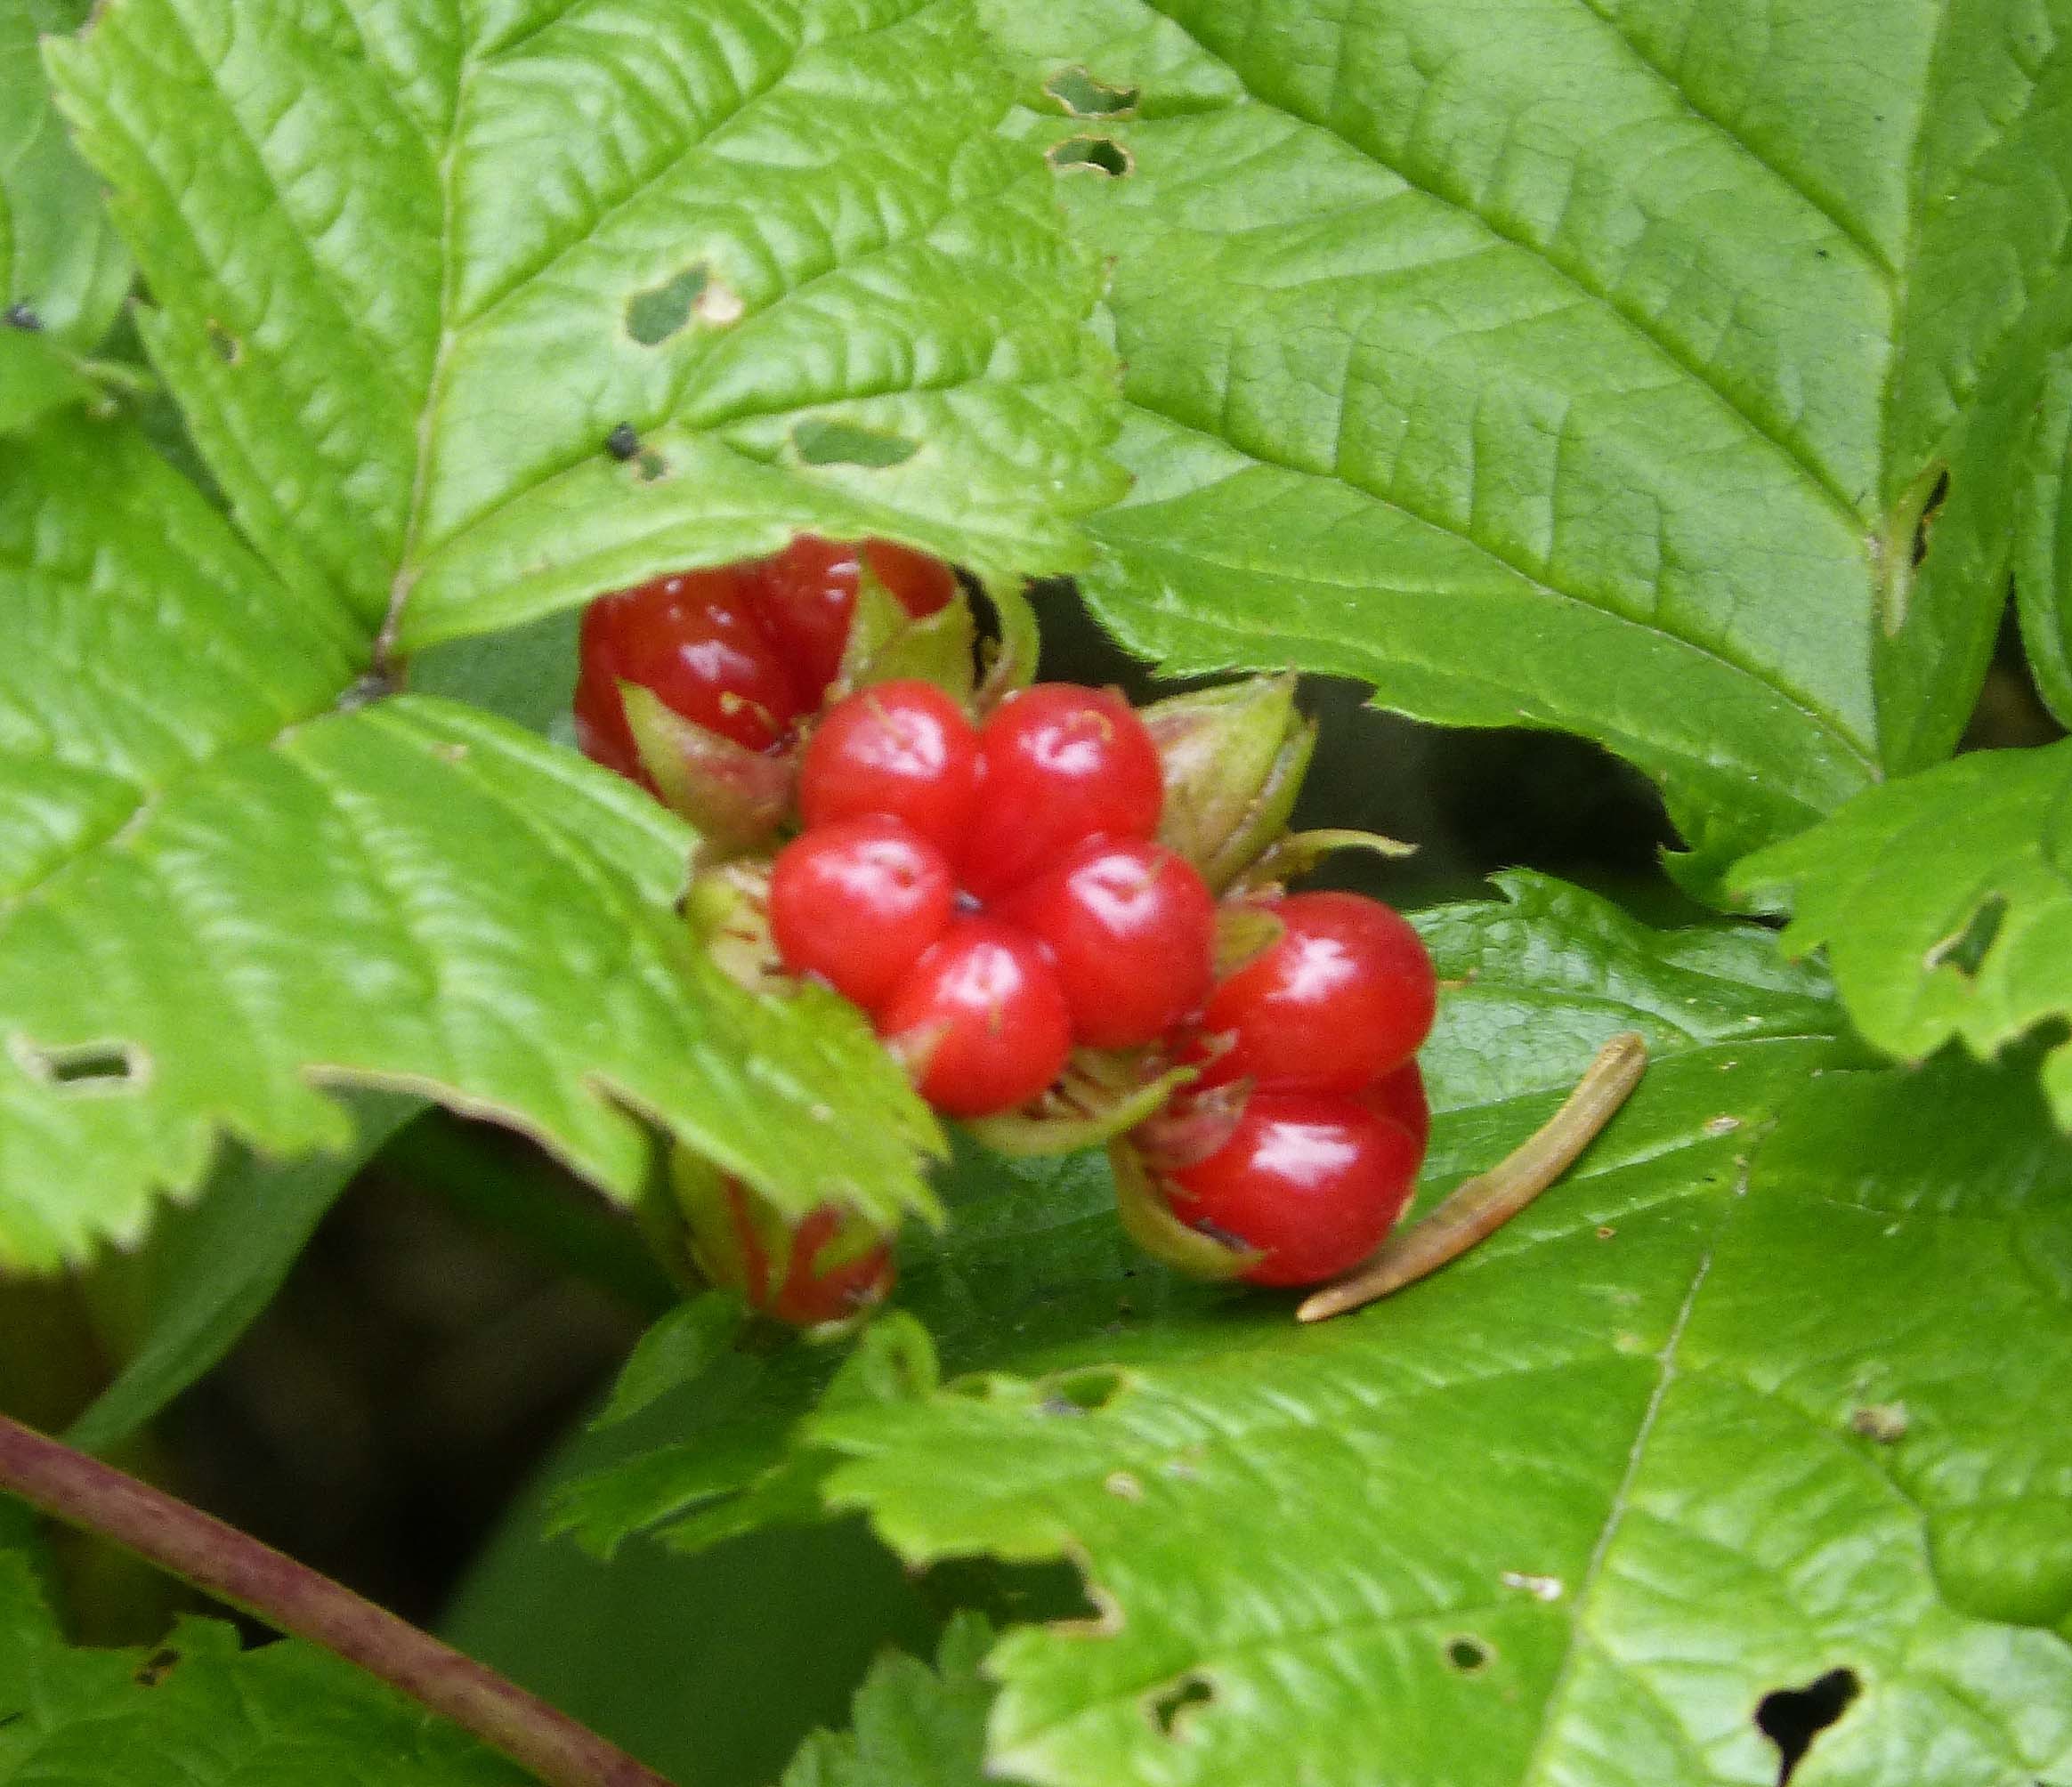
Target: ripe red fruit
x=694 y=640
x=807 y=1294
x=1061 y=763
x=980 y=1020
x=1346 y=995
x=1314 y=1182
x=808 y=596
x=1131 y=929
x=857 y=902
x=904 y=749
x=1399 y=1095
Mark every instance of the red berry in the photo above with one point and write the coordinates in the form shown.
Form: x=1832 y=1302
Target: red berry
x=808 y=595
x=904 y=749
x=1399 y=1095
x=693 y=640
x=1346 y=994
x=1314 y=1182
x=1061 y=763
x=1131 y=929
x=980 y=1019
x=807 y=1295
x=857 y=902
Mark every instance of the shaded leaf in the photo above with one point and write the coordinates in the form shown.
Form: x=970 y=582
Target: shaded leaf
x=201 y=1711
x=492 y=239
x=1944 y=902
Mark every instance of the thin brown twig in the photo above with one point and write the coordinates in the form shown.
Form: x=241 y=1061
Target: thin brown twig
x=237 y=1569
x=1481 y=1205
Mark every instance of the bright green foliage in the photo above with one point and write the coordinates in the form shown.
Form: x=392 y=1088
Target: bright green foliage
x=199 y=1711
x=490 y=236
x=914 y=1727
x=59 y=257
x=1677 y=1438
x=2042 y=570
x=1943 y=902
x=37 y=377
x=1580 y=366
x=228 y=888
x=1034 y=1271
x=214 y=1266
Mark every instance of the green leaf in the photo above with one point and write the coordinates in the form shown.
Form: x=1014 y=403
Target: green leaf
x=914 y=1727
x=1577 y=366
x=37 y=377
x=1033 y=1269
x=1944 y=902
x=199 y=1711
x=229 y=888
x=215 y=1266
x=677 y=1350
x=60 y=258
x=2043 y=575
x=1685 y=1434
x=490 y=238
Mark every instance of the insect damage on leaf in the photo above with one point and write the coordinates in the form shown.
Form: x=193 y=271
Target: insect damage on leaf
x=821 y=443
x=1084 y=95
x=654 y=315
x=84 y=1068
x=1099 y=154
x=1793 y=1717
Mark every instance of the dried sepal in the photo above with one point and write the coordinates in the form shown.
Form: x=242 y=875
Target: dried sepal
x=1149 y=1220
x=1101 y=1095
x=727 y=907
x=1296 y=852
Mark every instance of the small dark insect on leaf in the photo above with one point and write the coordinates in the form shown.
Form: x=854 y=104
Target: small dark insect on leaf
x=20 y=316
x=623 y=441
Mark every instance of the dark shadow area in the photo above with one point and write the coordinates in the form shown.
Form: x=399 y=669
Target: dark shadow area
x=1792 y=1717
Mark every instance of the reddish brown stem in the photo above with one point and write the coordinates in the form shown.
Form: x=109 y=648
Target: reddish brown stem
x=1481 y=1205
x=238 y=1569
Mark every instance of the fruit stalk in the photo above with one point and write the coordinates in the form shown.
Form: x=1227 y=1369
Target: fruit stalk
x=1481 y=1205
x=237 y=1569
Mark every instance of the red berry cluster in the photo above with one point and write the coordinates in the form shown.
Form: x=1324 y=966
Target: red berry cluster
x=991 y=895
x=1322 y=1027
x=746 y=650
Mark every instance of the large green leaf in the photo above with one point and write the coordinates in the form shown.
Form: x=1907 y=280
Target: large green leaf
x=1686 y=1435
x=1577 y=364
x=2042 y=574
x=414 y=265
x=226 y=886
x=60 y=261
x=199 y=1711
x=1033 y=1269
x=1944 y=902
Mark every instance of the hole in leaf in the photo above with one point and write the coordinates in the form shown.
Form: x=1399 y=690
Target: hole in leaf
x=1103 y=154
x=1792 y=1717
x=1468 y=1654
x=821 y=443
x=229 y=349
x=1966 y=950
x=1174 y=1702
x=85 y=1067
x=157 y=1667
x=1084 y=95
x=1082 y=1393
x=1930 y=510
x=650 y=466
x=654 y=315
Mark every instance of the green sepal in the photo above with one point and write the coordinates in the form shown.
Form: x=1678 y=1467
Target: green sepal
x=1014 y=655
x=727 y=907
x=734 y=796
x=1233 y=758
x=886 y=644
x=1101 y=1095
x=1149 y=1220
x=1299 y=851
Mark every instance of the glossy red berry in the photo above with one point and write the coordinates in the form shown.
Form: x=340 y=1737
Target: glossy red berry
x=694 y=640
x=805 y=1292
x=808 y=597
x=1061 y=763
x=1131 y=929
x=857 y=902
x=1314 y=1182
x=980 y=1019
x=1345 y=995
x=1399 y=1095
x=904 y=749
